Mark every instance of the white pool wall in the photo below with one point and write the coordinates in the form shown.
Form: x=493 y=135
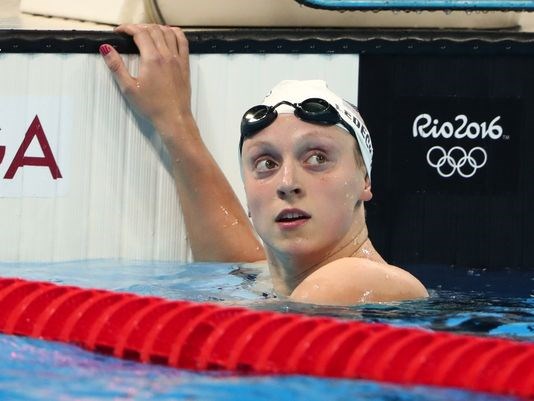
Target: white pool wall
x=116 y=197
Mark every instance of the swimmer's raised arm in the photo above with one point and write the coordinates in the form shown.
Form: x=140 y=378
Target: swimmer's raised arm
x=217 y=225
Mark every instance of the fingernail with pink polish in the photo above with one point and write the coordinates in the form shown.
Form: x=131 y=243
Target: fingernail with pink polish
x=104 y=49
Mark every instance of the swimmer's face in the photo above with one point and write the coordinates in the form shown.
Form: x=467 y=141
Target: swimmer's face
x=303 y=186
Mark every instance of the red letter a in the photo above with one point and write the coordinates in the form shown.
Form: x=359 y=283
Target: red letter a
x=21 y=160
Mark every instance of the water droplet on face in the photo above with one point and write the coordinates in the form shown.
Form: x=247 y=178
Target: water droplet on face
x=366 y=295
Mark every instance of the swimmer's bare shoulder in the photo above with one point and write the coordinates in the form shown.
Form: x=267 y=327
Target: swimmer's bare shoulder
x=350 y=281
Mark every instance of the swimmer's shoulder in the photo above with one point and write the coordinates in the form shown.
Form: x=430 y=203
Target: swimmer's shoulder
x=350 y=281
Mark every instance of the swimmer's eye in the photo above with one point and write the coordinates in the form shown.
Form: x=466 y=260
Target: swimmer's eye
x=316 y=159
x=264 y=165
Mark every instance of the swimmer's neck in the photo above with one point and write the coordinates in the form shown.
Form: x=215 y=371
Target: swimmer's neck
x=288 y=271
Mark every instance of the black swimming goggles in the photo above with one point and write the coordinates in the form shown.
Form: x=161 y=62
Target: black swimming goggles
x=313 y=110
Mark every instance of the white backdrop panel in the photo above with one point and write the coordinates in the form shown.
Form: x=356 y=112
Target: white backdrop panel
x=116 y=196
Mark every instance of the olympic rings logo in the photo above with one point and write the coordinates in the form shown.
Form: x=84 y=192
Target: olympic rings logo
x=456 y=160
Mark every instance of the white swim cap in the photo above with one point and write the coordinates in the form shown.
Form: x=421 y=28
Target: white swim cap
x=298 y=91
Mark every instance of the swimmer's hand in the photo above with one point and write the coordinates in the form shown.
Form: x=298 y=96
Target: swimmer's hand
x=217 y=226
x=351 y=281
x=162 y=90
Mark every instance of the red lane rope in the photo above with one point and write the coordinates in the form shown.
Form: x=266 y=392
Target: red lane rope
x=205 y=336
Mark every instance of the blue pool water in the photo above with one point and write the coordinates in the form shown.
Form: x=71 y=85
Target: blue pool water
x=462 y=300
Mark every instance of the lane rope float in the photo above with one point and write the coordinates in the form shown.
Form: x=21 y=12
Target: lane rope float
x=203 y=336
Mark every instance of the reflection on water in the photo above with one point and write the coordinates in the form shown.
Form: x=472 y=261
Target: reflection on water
x=38 y=370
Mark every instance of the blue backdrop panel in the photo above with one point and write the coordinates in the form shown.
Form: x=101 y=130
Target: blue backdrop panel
x=497 y=5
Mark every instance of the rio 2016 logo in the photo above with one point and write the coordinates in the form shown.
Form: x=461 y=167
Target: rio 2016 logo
x=456 y=160
x=20 y=159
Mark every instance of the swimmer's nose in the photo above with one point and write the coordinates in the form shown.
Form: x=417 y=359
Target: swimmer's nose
x=289 y=184
x=287 y=191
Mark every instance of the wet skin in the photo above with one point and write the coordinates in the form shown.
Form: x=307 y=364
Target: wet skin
x=304 y=192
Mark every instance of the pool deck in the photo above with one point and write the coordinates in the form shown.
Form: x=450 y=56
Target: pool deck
x=12 y=18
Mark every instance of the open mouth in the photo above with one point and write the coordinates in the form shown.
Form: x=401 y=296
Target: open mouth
x=288 y=216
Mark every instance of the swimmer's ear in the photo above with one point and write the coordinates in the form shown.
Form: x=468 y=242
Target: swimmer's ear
x=366 y=195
